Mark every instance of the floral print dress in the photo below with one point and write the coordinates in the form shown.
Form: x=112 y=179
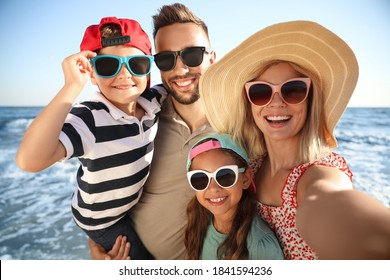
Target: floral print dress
x=282 y=219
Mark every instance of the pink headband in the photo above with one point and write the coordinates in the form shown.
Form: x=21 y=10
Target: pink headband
x=204 y=147
x=207 y=146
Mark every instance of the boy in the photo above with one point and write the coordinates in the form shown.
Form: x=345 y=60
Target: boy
x=112 y=135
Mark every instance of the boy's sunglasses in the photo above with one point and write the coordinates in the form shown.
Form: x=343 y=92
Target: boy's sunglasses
x=225 y=176
x=108 y=66
x=292 y=92
x=191 y=56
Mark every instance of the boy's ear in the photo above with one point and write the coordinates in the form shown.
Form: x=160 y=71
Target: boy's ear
x=247 y=178
x=93 y=77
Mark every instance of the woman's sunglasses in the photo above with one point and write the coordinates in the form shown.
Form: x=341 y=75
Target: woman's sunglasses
x=225 y=176
x=191 y=56
x=292 y=92
x=108 y=66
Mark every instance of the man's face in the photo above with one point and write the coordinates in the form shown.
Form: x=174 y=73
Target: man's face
x=182 y=81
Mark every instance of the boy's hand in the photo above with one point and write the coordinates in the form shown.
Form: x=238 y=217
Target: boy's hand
x=77 y=68
x=120 y=251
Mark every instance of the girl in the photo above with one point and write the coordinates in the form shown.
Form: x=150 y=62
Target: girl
x=221 y=220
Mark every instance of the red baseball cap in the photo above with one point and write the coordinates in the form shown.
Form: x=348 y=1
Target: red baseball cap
x=132 y=35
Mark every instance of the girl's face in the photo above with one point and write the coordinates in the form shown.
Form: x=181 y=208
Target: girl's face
x=221 y=202
x=278 y=120
x=124 y=88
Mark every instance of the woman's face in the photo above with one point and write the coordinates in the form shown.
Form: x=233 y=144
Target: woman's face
x=278 y=120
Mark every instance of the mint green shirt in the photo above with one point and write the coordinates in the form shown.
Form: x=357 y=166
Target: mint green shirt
x=261 y=241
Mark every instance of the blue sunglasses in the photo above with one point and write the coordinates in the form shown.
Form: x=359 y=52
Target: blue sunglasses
x=108 y=66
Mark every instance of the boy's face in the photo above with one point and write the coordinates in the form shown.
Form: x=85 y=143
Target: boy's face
x=124 y=88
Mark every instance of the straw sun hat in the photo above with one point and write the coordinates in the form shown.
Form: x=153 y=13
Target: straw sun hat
x=305 y=43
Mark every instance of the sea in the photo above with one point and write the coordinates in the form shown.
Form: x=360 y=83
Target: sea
x=35 y=215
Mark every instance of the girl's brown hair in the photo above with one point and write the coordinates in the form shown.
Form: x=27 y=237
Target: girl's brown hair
x=199 y=218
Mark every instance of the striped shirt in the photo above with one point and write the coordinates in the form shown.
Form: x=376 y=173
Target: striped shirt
x=115 y=151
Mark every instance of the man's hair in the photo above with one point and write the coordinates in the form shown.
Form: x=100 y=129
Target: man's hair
x=176 y=13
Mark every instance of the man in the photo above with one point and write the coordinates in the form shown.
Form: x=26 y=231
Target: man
x=160 y=216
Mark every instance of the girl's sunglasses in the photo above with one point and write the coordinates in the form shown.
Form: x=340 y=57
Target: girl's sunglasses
x=225 y=176
x=191 y=56
x=292 y=92
x=108 y=66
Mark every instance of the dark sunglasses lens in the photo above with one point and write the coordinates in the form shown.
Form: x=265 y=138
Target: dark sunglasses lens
x=294 y=92
x=165 y=61
x=192 y=57
x=226 y=177
x=140 y=65
x=106 y=66
x=260 y=94
x=199 y=181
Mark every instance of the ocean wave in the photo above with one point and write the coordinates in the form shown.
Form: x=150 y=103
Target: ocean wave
x=363 y=137
x=362 y=118
x=36 y=221
x=15 y=126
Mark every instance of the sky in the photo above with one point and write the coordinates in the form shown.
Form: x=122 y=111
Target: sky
x=37 y=35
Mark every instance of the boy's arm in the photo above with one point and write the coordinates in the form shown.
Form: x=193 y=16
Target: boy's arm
x=159 y=92
x=40 y=147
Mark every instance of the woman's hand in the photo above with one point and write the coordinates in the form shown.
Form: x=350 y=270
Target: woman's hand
x=120 y=251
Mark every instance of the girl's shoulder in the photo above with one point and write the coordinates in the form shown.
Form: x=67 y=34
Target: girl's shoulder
x=263 y=243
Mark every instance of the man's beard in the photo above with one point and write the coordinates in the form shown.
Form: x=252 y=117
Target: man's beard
x=180 y=99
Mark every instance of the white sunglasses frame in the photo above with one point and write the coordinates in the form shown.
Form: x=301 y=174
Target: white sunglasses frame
x=210 y=175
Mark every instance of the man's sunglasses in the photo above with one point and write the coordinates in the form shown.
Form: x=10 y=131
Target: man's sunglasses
x=292 y=92
x=108 y=66
x=225 y=176
x=191 y=56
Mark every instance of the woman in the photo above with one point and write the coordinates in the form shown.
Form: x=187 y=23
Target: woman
x=287 y=87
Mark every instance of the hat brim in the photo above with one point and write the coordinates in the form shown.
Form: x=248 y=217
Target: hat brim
x=304 y=43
